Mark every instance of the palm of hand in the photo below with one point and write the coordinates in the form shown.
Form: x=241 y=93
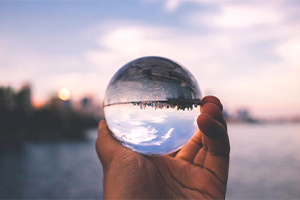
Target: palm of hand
x=198 y=171
x=167 y=177
x=183 y=180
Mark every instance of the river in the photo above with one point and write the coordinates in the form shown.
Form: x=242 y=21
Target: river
x=264 y=164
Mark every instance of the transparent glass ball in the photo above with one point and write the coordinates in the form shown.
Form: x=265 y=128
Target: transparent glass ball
x=151 y=105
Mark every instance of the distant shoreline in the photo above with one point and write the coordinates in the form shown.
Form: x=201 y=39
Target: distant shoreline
x=180 y=104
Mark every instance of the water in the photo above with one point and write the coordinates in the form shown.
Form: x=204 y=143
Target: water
x=264 y=164
x=156 y=129
x=52 y=170
x=264 y=161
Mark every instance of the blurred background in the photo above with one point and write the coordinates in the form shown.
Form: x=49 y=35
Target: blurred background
x=57 y=57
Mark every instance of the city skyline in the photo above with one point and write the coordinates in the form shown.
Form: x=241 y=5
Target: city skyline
x=88 y=105
x=245 y=53
x=179 y=104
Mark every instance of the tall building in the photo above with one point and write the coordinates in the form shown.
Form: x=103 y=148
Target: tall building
x=243 y=114
x=57 y=103
x=24 y=98
x=88 y=106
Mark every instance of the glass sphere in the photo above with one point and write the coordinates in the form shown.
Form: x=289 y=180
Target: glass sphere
x=151 y=105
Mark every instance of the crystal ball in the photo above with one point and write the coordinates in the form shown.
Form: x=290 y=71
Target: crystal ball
x=151 y=105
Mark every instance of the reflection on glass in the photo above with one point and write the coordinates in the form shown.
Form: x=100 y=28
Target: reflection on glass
x=151 y=105
x=154 y=129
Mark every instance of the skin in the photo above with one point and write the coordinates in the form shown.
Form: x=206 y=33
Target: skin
x=199 y=170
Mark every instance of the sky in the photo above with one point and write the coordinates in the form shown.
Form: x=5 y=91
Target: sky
x=247 y=53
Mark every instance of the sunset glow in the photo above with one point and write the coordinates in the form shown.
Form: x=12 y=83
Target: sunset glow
x=250 y=48
x=64 y=94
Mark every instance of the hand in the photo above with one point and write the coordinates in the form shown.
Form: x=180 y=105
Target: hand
x=198 y=171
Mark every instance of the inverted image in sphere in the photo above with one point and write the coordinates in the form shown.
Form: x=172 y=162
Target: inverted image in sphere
x=151 y=105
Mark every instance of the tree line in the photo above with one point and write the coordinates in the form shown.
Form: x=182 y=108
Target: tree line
x=20 y=121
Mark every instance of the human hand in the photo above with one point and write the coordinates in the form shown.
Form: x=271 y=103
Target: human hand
x=198 y=171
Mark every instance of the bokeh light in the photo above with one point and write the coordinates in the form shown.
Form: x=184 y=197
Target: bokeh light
x=64 y=94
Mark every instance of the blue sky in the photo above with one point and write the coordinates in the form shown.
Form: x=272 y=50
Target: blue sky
x=245 y=52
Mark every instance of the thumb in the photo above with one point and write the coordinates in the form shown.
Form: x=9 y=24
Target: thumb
x=106 y=145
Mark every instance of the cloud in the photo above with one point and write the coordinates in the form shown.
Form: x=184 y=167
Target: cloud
x=240 y=15
x=172 y=5
x=48 y=73
x=238 y=52
x=223 y=63
x=123 y=42
x=290 y=52
x=245 y=16
x=168 y=5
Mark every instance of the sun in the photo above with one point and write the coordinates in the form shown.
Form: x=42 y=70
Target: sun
x=64 y=94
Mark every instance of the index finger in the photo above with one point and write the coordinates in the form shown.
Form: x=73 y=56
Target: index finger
x=212 y=99
x=214 y=156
